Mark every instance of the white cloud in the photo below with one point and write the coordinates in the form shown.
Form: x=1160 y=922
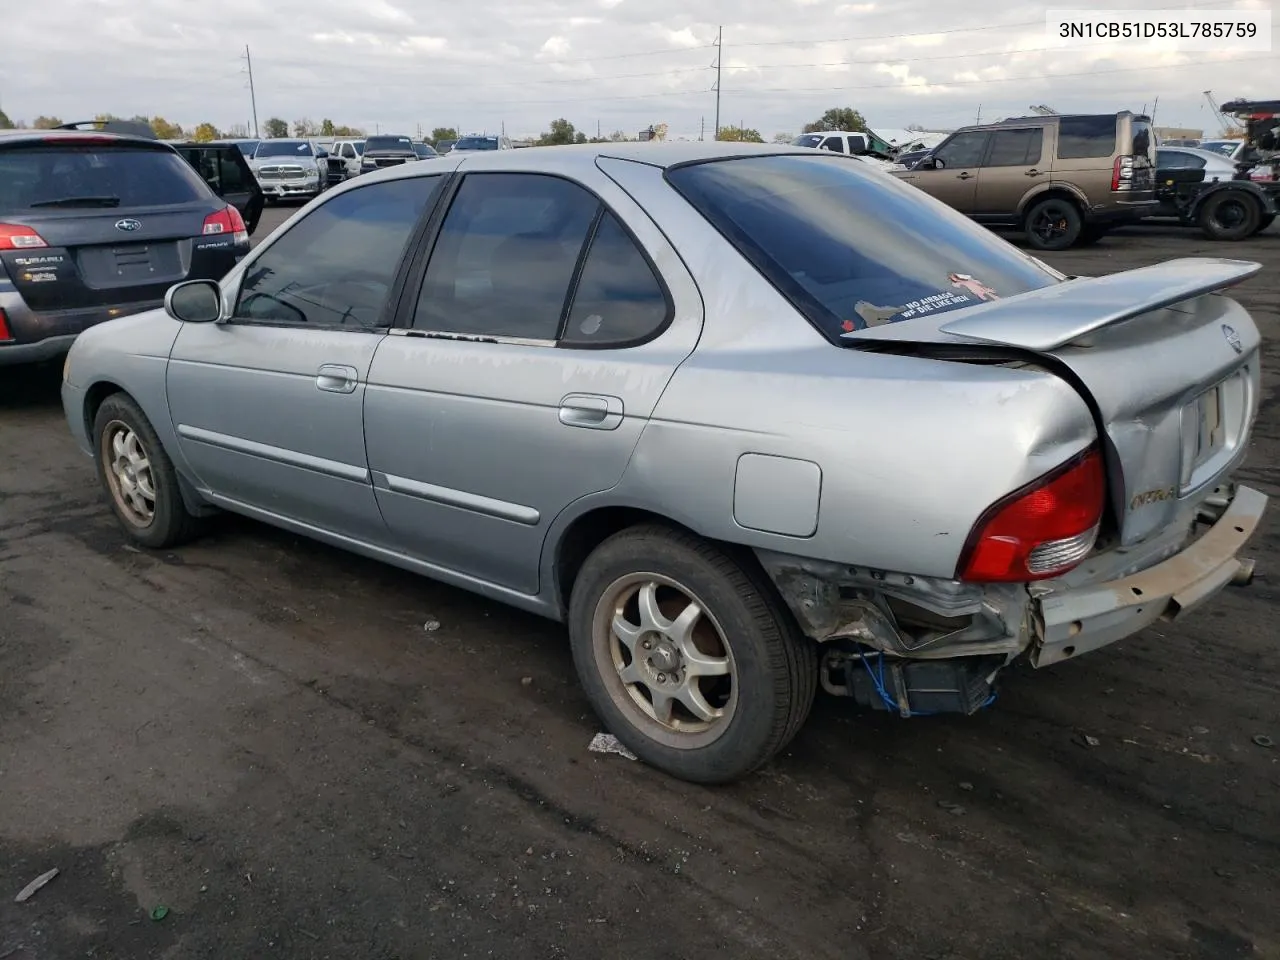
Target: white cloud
x=483 y=64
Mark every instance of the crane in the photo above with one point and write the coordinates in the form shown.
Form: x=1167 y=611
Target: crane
x=1043 y=111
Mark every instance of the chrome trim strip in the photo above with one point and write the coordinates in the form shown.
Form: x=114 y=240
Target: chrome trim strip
x=500 y=509
x=291 y=458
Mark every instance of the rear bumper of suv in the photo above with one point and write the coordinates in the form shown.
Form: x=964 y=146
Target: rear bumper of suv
x=49 y=335
x=1123 y=211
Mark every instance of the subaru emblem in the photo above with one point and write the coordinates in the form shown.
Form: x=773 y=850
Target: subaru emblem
x=128 y=225
x=1233 y=338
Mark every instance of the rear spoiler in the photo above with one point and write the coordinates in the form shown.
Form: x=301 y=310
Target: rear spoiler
x=128 y=128
x=1051 y=317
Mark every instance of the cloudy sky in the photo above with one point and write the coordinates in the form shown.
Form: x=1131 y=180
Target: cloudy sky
x=485 y=65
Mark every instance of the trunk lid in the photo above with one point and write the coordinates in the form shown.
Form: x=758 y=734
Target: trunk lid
x=1170 y=368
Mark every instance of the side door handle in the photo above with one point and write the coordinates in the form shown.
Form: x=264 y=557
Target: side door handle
x=591 y=411
x=964 y=176
x=1033 y=172
x=336 y=378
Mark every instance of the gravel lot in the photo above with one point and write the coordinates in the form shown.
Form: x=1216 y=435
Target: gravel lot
x=258 y=734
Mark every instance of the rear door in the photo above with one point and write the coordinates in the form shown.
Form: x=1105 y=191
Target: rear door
x=1013 y=166
x=114 y=223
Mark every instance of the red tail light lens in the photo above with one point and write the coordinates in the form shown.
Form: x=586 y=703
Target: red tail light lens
x=1041 y=531
x=226 y=220
x=16 y=236
x=1122 y=173
x=5 y=332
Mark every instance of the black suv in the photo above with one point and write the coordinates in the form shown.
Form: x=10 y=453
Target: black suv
x=96 y=225
x=384 y=151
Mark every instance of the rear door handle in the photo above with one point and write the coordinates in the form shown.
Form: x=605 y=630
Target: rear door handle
x=1033 y=172
x=591 y=411
x=336 y=378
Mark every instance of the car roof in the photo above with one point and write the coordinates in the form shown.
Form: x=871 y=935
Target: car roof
x=73 y=136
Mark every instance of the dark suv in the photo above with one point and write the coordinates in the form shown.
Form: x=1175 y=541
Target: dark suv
x=97 y=225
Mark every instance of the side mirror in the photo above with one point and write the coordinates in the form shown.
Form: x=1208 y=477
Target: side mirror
x=934 y=163
x=196 y=301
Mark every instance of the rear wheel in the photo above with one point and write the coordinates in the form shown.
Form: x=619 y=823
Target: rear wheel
x=139 y=477
x=688 y=659
x=1230 y=215
x=1053 y=224
x=1266 y=221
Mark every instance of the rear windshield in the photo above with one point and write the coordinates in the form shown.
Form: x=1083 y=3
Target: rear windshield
x=282 y=148
x=850 y=247
x=83 y=177
x=477 y=143
x=1224 y=147
x=403 y=144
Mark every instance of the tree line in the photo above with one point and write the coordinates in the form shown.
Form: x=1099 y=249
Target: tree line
x=561 y=131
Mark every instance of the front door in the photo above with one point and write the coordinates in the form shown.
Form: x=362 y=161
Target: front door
x=268 y=406
x=955 y=180
x=1013 y=166
x=539 y=343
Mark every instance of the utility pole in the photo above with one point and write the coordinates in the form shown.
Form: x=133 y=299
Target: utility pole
x=253 y=96
x=702 y=129
x=979 y=120
x=719 y=60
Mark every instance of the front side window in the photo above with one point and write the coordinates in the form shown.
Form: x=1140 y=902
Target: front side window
x=962 y=150
x=1016 y=148
x=505 y=257
x=850 y=247
x=1086 y=138
x=834 y=144
x=336 y=266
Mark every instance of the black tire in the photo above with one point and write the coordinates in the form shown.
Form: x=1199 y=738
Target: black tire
x=168 y=523
x=773 y=669
x=1266 y=221
x=1053 y=224
x=1229 y=215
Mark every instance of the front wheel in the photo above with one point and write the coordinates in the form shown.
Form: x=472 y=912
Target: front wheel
x=139 y=477
x=1230 y=215
x=1265 y=222
x=686 y=657
x=1053 y=224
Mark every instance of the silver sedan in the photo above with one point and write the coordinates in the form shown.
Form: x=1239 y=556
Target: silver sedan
x=750 y=420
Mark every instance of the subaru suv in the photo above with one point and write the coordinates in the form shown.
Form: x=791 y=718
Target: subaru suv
x=97 y=225
x=1063 y=180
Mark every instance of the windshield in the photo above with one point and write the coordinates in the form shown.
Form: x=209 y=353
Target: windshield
x=359 y=145
x=477 y=143
x=282 y=148
x=425 y=150
x=807 y=140
x=389 y=145
x=1224 y=148
x=853 y=248
x=70 y=177
x=247 y=147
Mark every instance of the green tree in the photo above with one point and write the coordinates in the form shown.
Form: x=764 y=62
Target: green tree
x=327 y=129
x=345 y=131
x=618 y=137
x=276 y=128
x=740 y=134
x=838 y=118
x=304 y=128
x=443 y=133
x=561 y=132
x=579 y=137
x=104 y=117
x=238 y=131
x=165 y=130
x=46 y=123
x=205 y=132
x=782 y=138
x=5 y=122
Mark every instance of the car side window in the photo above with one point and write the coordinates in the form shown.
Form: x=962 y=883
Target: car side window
x=619 y=299
x=231 y=174
x=336 y=266
x=1016 y=148
x=835 y=144
x=505 y=257
x=1081 y=138
x=962 y=150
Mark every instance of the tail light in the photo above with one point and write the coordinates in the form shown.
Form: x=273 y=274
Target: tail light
x=1042 y=530
x=226 y=220
x=1122 y=173
x=16 y=236
x=5 y=332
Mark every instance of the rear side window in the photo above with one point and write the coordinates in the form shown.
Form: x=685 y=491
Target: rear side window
x=1016 y=148
x=336 y=266
x=618 y=300
x=71 y=177
x=834 y=144
x=850 y=247
x=1087 y=138
x=1143 y=138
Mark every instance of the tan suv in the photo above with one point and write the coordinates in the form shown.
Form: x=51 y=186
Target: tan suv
x=1064 y=180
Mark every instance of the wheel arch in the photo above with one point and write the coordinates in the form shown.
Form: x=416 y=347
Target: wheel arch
x=1053 y=191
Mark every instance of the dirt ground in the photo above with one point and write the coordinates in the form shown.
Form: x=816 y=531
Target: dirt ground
x=260 y=735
